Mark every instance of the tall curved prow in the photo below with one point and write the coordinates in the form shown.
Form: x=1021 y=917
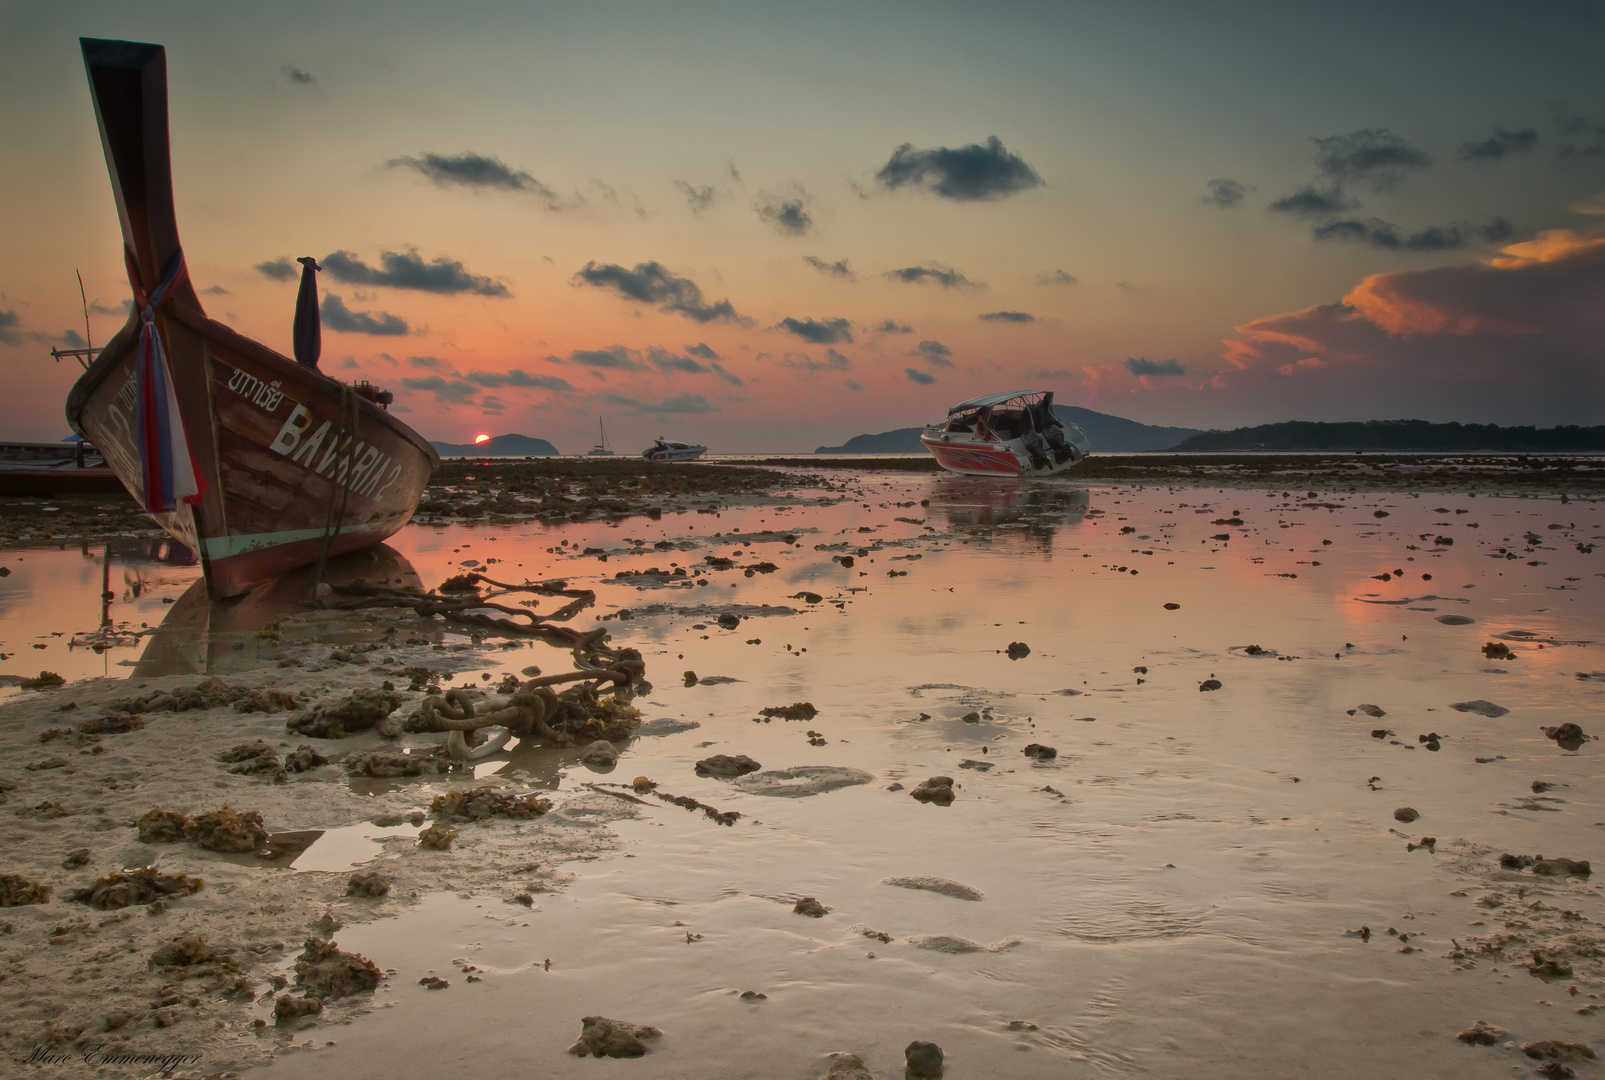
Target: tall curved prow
x=128 y=81
x=128 y=86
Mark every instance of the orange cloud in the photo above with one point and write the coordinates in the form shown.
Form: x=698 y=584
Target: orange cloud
x=1512 y=339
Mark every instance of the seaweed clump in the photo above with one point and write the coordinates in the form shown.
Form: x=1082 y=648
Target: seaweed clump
x=119 y=890
x=327 y=972
x=356 y=712
x=208 y=694
x=16 y=890
x=487 y=802
x=224 y=829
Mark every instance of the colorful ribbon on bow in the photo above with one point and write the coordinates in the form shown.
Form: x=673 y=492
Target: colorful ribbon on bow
x=166 y=465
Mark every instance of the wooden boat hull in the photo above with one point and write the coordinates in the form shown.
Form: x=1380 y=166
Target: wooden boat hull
x=291 y=464
x=292 y=459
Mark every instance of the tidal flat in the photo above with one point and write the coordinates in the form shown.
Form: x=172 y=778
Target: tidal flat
x=1243 y=687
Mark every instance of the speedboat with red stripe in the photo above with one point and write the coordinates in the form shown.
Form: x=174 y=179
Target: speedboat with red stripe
x=1010 y=434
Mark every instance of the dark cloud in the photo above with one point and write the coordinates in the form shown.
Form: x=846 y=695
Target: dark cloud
x=818 y=331
x=1057 y=277
x=836 y=269
x=1310 y=201
x=934 y=353
x=1381 y=234
x=697 y=199
x=119 y=308
x=1141 y=365
x=965 y=174
x=8 y=328
x=477 y=172
x=1580 y=136
x=281 y=269
x=851 y=385
x=834 y=361
x=409 y=271
x=73 y=339
x=1007 y=316
x=449 y=392
x=1374 y=156
x=932 y=273
x=703 y=350
x=666 y=361
x=917 y=376
x=518 y=377
x=296 y=75
x=675 y=403
x=787 y=213
x=617 y=358
x=491 y=405
x=214 y=290
x=650 y=283
x=892 y=326
x=431 y=363
x=1225 y=193
x=1501 y=144
x=338 y=317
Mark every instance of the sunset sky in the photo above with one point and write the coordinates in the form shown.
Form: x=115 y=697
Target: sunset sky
x=767 y=226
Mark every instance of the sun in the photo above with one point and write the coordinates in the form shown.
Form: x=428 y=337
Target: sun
x=481 y=438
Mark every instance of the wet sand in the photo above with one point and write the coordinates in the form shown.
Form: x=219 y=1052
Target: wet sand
x=1181 y=887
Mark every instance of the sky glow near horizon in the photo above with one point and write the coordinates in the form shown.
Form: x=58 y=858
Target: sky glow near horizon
x=767 y=227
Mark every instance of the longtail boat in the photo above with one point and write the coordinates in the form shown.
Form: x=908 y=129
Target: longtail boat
x=257 y=462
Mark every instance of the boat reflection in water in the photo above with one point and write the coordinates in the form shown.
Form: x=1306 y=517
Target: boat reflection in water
x=1026 y=515
x=200 y=636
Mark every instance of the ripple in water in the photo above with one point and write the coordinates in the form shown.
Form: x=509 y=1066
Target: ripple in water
x=1137 y=921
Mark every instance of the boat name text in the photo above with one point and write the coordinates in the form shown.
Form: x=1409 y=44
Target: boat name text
x=347 y=460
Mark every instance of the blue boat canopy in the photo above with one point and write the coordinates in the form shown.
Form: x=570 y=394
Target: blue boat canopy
x=997 y=399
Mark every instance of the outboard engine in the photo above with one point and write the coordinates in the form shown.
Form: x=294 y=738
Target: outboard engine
x=1060 y=449
x=1037 y=448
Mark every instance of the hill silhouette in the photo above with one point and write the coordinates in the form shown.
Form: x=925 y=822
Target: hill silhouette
x=1400 y=435
x=1112 y=434
x=498 y=446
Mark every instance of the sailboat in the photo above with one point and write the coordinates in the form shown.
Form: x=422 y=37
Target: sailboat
x=256 y=462
x=600 y=449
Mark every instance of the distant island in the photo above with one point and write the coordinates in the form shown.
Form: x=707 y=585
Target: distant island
x=1396 y=435
x=498 y=446
x=1113 y=434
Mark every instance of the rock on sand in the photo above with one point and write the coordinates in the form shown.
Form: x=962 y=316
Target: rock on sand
x=957 y=890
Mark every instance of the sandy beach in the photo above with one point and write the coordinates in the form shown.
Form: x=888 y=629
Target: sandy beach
x=1133 y=870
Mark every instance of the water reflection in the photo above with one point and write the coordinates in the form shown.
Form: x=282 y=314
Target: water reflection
x=200 y=636
x=1032 y=512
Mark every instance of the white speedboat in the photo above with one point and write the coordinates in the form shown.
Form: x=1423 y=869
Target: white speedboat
x=1010 y=434
x=670 y=450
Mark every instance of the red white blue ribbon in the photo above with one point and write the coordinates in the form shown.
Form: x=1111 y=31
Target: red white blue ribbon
x=166 y=465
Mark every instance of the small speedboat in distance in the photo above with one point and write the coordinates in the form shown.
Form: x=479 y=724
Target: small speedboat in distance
x=670 y=450
x=1010 y=434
